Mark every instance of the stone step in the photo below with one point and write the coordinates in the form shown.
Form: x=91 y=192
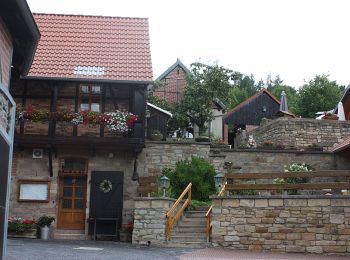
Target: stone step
x=192 y=221
x=69 y=234
x=202 y=208
x=189 y=229
x=195 y=214
x=184 y=238
x=69 y=231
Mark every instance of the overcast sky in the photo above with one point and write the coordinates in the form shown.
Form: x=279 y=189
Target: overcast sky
x=295 y=39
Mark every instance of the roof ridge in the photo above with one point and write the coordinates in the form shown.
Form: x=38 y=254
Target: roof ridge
x=92 y=16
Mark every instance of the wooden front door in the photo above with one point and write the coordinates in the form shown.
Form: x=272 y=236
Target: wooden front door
x=72 y=202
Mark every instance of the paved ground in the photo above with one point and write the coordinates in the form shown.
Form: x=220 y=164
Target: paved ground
x=91 y=250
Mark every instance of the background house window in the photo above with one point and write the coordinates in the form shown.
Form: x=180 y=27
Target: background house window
x=90 y=98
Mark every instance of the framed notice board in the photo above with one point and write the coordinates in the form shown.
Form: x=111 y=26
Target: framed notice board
x=33 y=191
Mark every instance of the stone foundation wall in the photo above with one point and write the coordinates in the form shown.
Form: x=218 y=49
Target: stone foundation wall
x=149 y=222
x=300 y=132
x=283 y=224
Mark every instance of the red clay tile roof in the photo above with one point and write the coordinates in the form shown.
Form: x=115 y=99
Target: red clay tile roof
x=92 y=47
x=342 y=146
x=248 y=100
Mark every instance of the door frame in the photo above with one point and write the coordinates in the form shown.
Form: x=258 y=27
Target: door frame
x=60 y=195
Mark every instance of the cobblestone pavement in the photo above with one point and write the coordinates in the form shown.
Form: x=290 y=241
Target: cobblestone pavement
x=95 y=250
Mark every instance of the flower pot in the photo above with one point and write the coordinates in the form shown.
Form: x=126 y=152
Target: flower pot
x=44 y=233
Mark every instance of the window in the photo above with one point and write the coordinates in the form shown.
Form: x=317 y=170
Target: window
x=73 y=165
x=90 y=97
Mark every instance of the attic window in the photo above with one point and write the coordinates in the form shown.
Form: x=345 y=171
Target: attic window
x=89 y=70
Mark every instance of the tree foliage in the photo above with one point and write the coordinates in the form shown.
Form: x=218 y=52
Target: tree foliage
x=276 y=87
x=319 y=94
x=244 y=87
x=204 y=83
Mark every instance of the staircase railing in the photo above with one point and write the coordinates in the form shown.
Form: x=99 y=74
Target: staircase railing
x=171 y=220
x=208 y=216
x=209 y=225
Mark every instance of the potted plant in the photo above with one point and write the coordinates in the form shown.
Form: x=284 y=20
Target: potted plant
x=44 y=223
x=330 y=116
x=156 y=135
x=126 y=232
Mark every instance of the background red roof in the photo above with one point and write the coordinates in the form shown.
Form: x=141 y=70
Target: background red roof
x=119 y=45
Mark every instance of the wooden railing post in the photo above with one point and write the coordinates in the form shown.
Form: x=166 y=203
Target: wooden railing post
x=171 y=220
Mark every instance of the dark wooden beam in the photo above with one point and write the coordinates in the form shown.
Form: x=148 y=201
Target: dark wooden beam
x=24 y=100
x=76 y=107
x=53 y=108
x=103 y=109
x=50 y=162
x=66 y=97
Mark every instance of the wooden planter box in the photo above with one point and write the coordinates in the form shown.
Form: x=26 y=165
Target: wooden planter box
x=31 y=234
x=334 y=117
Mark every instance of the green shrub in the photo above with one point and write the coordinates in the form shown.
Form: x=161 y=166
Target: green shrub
x=198 y=171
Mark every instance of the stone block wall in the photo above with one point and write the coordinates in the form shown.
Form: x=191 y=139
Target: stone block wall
x=301 y=132
x=319 y=224
x=149 y=220
x=159 y=155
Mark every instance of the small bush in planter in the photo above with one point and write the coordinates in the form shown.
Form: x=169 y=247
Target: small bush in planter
x=45 y=221
x=294 y=167
x=198 y=171
x=20 y=225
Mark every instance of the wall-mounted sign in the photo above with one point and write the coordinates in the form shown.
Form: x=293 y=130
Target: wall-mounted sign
x=34 y=191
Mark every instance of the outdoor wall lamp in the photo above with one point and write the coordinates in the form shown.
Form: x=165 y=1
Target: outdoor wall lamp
x=219 y=179
x=164 y=183
x=264 y=109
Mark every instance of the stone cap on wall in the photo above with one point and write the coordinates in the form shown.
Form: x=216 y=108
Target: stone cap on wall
x=154 y=203
x=281 y=197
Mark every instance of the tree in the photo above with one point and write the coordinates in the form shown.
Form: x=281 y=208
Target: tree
x=244 y=87
x=319 y=94
x=204 y=83
x=276 y=87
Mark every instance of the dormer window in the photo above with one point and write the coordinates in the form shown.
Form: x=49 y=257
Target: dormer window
x=90 y=98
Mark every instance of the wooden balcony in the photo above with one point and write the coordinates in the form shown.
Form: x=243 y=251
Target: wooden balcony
x=51 y=134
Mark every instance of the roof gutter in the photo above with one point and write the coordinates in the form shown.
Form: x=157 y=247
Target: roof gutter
x=34 y=32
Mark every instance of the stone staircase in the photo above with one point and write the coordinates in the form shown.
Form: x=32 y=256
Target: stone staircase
x=69 y=234
x=190 y=230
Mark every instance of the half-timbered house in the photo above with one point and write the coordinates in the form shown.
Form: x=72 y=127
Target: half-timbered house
x=81 y=123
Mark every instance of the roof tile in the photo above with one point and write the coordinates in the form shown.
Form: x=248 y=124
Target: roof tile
x=120 y=45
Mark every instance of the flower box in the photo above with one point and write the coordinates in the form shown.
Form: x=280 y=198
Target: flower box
x=30 y=234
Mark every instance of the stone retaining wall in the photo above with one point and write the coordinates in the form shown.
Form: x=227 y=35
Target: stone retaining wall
x=300 y=132
x=149 y=220
x=158 y=155
x=319 y=224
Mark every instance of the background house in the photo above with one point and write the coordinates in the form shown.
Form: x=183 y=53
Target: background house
x=171 y=85
x=85 y=172
x=248 y=114
x=345 y=99
x=18 y=39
